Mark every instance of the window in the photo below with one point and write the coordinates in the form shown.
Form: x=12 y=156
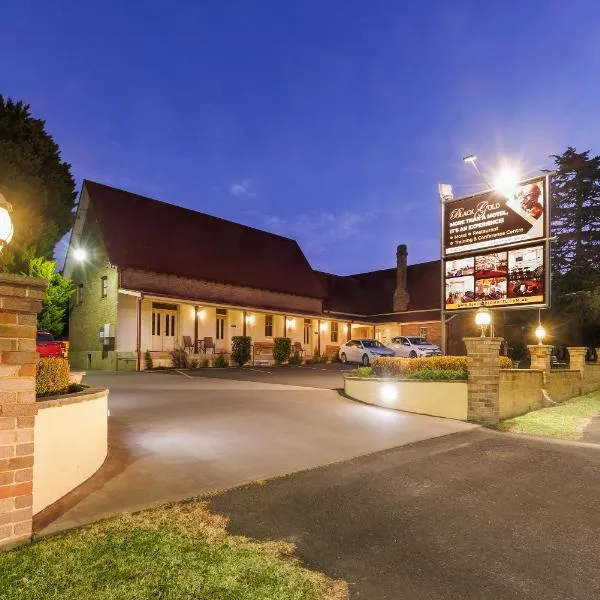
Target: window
x=80 y=293
x=155 y=323
x=170 y=325
x=104 y=286
x=307 y=328
x=423 y=332
x=335 y=326
x=220 y=323
x=268 y=325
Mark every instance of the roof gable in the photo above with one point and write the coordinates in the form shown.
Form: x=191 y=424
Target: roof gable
x=150 y=235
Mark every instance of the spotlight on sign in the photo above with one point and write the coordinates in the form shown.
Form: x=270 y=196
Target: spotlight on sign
x=506 y=182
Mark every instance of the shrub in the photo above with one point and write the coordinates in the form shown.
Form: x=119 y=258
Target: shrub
x=396 y=366
x=180 y=358
x=241 y=351
x=505 y=362
x=204 y=362
x=282 y=348
x=363 y=372
x=439 y=374
x=51 y=376
x=295 y=359
x=148 y=360
x=194 y=363
x=221 y=360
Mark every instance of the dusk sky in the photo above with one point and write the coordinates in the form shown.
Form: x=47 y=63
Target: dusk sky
x=331 y=122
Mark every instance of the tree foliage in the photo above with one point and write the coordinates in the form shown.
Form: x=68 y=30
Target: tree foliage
x=37 y=183
x=56 y=301
x=576 y=252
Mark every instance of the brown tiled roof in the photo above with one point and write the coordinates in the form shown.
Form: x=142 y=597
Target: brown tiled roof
x=373 y=293
x=146 y=234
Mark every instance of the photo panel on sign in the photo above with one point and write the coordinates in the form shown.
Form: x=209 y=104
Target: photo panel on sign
x=459 y=291
x=460 y=267
x=491 y=265
x=526 y=274
x=492 y=288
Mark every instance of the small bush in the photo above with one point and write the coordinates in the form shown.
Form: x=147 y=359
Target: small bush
x=396 y=366
x=194 y=363
x=51 y=376
x=363 y=372
x=149 y=363
x=241 y=349
x=295 y=359
x=282 y=348
x=204 y=363
x=221 y=360
x=180 y=358
x=438 y=374
x=505 y=362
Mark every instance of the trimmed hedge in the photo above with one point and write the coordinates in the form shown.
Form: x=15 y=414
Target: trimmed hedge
x=282 y=349
x=51 y=376
x=403 y=367
x=439 y=375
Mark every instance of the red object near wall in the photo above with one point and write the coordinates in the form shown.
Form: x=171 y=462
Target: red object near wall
x=46 y=345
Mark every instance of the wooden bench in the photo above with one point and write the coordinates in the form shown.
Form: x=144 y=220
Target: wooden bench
x=331 y=352
x=260 y=349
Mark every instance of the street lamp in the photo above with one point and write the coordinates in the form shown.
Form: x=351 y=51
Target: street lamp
x=506 y=182
x=79 y=254
x=540 y=334
x=483 y=317
x=6 y=225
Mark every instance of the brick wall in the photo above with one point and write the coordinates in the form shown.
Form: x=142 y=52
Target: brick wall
x=520 y=391
x=562 y=384
x=86 y=317
x=208 y=291
x=20 y=301
x=434 y=330
x=591 y=380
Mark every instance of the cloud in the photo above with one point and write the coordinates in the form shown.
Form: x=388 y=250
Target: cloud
x=243 y=189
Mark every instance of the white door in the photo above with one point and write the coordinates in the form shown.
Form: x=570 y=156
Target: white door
x=164 y=329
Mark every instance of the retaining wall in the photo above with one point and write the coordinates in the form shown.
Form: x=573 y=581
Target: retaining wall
x=520 y=391
x=70 y=443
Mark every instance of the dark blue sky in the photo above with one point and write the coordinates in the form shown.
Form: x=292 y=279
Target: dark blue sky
x=328 y=121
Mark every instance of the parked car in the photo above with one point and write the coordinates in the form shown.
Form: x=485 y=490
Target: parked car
x=46 y=345
x=363 y=351
x=414 y=347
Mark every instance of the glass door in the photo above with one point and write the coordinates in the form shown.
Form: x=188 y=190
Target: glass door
x=164 y=327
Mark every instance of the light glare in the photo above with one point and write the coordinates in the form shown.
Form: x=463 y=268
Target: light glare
x=506 y=182
x=388 y=392
x=79 y=254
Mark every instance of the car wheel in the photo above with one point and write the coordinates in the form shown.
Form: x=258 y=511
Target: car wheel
x=343 y=358
x=412 y=354
x=365 y=360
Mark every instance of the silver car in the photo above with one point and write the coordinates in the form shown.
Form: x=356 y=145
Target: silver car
x=413 y=347
x=363 y=351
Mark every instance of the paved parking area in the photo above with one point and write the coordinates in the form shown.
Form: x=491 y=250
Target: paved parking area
x=176 y=436
x=476 y=515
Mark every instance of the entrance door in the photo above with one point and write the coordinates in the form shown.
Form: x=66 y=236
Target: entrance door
x=164 y=327
x=307 y=334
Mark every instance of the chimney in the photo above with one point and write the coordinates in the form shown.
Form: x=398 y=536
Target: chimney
x=401 y=297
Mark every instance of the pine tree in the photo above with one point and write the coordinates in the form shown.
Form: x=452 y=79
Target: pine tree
x=576 y=252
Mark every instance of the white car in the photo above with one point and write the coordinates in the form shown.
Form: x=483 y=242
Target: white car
x=414 y=347
x=363 y=351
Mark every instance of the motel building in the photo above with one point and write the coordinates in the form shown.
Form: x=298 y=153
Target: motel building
x=152 y=276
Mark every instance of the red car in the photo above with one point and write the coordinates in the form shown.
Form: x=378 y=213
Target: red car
x=46 y=345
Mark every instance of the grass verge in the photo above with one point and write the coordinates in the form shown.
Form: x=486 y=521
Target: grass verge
x=565 y=420
x=178 y=552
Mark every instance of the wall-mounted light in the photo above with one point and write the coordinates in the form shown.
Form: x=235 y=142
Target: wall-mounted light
x=483 y=317
x=202 y=314
x=324 y=326
x=250 y=319
x=6 y=224
x=79 y=254
x=290 y=323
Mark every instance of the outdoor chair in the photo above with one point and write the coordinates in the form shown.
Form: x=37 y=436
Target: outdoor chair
x=209 y=343
x=188 y=345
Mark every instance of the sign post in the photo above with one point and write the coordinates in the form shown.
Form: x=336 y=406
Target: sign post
x=495 y=249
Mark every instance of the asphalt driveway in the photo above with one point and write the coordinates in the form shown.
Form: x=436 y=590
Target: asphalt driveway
x=175 y=436
x=477 y=515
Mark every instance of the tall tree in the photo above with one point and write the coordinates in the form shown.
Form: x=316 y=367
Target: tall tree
x=37 y=183
x=576 y=253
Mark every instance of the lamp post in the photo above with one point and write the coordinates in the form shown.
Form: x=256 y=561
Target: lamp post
x=6 y=225
x=483 y=317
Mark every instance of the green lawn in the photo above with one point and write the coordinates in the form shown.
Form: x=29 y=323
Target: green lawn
x=563 y=420
x=181 y=552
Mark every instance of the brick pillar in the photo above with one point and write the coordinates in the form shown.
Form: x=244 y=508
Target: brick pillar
x=577 y=358
x=20 y=301
x=484 y=379
x=540 y=357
